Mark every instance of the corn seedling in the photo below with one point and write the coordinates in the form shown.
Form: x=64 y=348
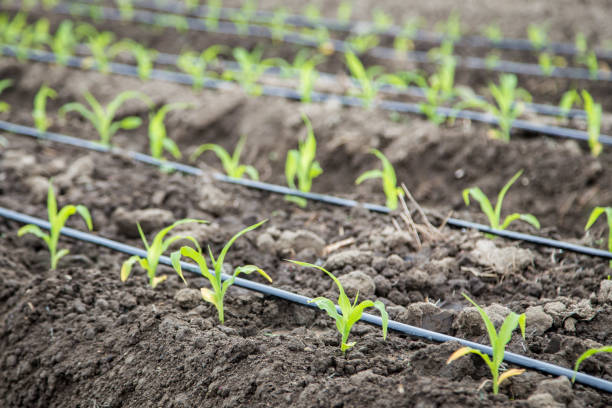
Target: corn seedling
x=103 y=119
x=4 y=84
x=12 y=29
x=509 y=103
x=98 y=44
x=451 y=28
x=344 y=12
x=498 y=340
x=57 y=219
x=243 y=16
x=158 y=136
x=492 y=59
x=361 y=43
x=369 y=80
x=33 y=36
x=304 y=64
x=217 y=294
x=382 y=21
x=213 y=13
x=191 y=5
x=597 y=211
x=538 y=36
x=389 y=180
x=404 y=41
x=126 y=9
x=494 y=215
x=144 y=56
x=587 y=354
x=593 y=111
x=63 y=42
x=252 y=67
x=158 y=246
x=278 y=27
x=231 y=164
x=350 y=313
x=569 y=99
x=197 y=65
x=41 y=121
x=493 y=33
x=301 y=164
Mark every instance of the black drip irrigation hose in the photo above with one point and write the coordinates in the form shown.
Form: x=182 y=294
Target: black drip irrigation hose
x=273 y=188
x=365 y=27
x=292 y=94
x=513 y=358
x=153 y=18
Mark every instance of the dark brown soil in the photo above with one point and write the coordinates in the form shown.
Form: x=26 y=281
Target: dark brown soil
x=79 y=337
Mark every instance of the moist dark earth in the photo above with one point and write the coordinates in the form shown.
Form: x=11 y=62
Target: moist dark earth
x=78 y=336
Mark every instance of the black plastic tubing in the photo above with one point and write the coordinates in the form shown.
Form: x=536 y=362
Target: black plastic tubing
x=512 y=358
x=273 y=188
x=289 y=93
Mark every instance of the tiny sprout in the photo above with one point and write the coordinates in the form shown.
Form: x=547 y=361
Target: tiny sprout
x=344 y=11
x=389 y=180
x=213 y=14
x=369 y=80
x=57 y=219
x=277 y=23
x=382 y=21
x=155 y=251
x=363 y=42
x=98 y=44
x=63 y=42
x=597 y=211
x=243 y=16
x=41 y=121
x=197 y=65
x=451 y=28
x=538 y=36
x=217 y=294
x=158 y=137
x=493 y=33
x=4 y=84
x=568 y=100
x=231 y=164
x=404 y=39
x=144 y=56
x=494 y=215
x=103 y=118
x=498 y=344
x=587 y=354
x=301 y=163
x=593 y=111
x=350 y=313
x=252 y=67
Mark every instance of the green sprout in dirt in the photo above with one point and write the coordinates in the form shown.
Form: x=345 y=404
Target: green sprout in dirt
x=231 y=164
x=498 y=340
x=301 y=164
x=57 y=219
x=243 y=16
x=382 y=21
x=213 y=13
x=277 y=25
x=404 y=40
x=549 y=62
x=451 y=28
x=252 y=67
x=41 y=121
x=126 y=9
x=361 y=43
x=158 y=246
x=492 y=59
x=103 y=119
x=144 y=56
x=34 y=36
x=197 y=65
x=569 y=99
x=4 y=84
x=158 y=136
x=63 y=42
x=593 y=111
x=344 y=11
x=587 y=354
x=494 y=215
x=304 y=64
x=509 y=103
x=538 y=36
x=98 y=44
x=438 y=88
x=350 y=313
x=389 y=180
x=493 y=33
x=217 y=294
x=597 y=211
x=369 y=80
x=12 y=29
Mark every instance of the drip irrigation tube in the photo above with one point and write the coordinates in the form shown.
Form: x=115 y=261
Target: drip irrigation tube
x=364 y=27
x=273 y=188
x=509 y=357
x=153 y=18
x=292 y=94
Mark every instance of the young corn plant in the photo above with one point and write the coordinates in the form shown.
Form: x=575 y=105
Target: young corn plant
x=361 y=43
x=493 y=33
x=158 y=135
x=57 y=220
x=344 y=11
x=498 y=340
x=217 y=294
x=103 y=119
x=389 y=180
x=213 y=14
x=126 y=9
x=369 y=80
x=243 y=16
x=12 y=28
x=158 y=246
x=34 y=36
x=252 y=67
x=382 y=21
x=63 y=42
x=231 y=164
x=451 y=28
x=277 y=25
x=587 y=354
x=509 y=103
x=597 y=211
x=593 y=111
x=41 y=121
x=569 y=99
x=351 y=312
x=98 y=44
x=404 y=40
x=301 y=164
x=538 y=36
x=549 y=62
x=4 y=84
x=144 y=56
x=494 y=215
x=197 y=65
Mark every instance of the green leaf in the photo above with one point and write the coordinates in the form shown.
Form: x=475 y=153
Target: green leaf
x=597 y=211
x=61 y=253
x=227 y=246
x=126 y=268
x=34 y=230
x=485 y=204
x=84 y=212
x=488 y=324
x=327 y=305
x=368 y=175
x=587 y=354
x=502 y=193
